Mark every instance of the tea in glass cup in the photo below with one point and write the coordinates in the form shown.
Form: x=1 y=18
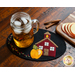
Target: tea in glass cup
x=22 y=29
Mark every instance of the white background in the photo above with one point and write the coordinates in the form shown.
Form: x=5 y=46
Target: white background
x=38 y=3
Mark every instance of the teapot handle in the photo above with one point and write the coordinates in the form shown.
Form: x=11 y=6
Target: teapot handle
x=36 y=22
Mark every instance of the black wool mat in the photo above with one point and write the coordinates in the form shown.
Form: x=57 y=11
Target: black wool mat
x=25 y=52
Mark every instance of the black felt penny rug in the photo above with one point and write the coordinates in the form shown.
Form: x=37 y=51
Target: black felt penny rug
x=25 y=52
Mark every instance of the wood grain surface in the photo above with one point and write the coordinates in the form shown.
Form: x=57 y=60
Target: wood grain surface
x=43 y=14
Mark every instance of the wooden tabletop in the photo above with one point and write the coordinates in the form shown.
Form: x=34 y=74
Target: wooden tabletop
x=43 y=14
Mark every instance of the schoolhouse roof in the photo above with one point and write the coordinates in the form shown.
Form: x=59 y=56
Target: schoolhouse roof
x=47 y=33
x=45 y=39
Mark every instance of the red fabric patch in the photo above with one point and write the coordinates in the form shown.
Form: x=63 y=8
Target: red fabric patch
x=48 y=48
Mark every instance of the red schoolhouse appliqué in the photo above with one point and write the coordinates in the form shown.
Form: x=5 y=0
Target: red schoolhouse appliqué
x=47 y=45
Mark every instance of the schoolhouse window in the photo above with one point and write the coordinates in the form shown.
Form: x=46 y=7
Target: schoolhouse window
x=46 y=43
x=47 y=36
x=51 y=48
x=41 y=47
